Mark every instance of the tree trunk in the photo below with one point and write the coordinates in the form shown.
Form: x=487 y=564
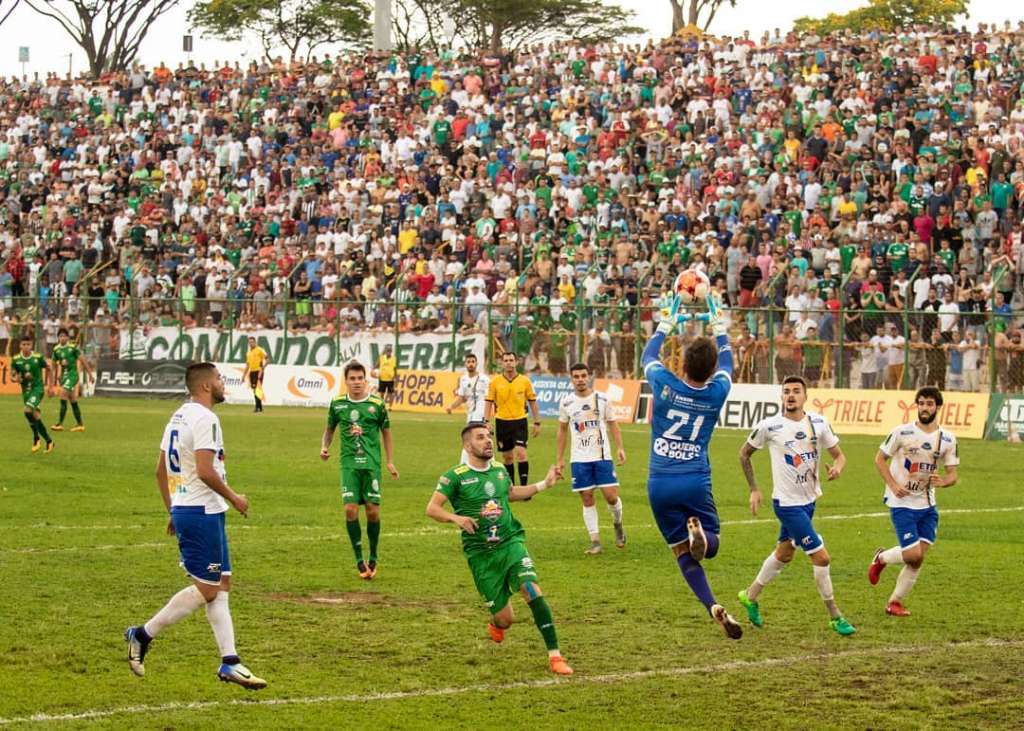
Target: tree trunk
x=677 y=15
x=495 y=43
x=694 y=11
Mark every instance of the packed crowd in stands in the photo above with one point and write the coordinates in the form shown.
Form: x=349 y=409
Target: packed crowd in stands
x=842 y=180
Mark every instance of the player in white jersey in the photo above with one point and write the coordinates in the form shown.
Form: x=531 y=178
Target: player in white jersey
x=586 y=414
x=193 y=484
x=909 y=461
x=794 y=439
x=472 y=392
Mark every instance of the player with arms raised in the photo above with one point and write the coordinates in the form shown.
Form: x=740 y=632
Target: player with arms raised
x=793 y=439
x=29 y=369
x=472 y=391
x=586 y=414
x=192 y=481
x=67 y=357
x=679 y=481
x=364 y=425
x=909 y=461
x=493 y=541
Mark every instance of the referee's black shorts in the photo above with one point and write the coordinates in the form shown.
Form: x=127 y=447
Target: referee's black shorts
x=254 y=378
x=511 y=433
x=386 y=387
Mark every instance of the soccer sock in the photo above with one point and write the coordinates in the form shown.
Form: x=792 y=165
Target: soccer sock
x=218 y=614
x=904 y=583
x=41 y=428
x=32 y=425
x=590 y=520
x=823 y=580
x=355 y=534
x=545 y=622
x=63 y=410
x=712 y=545
x=511 y=468
x=77 y=412
x=180 y=606
x=693 y=572
x=892 y=556
x=771 y=568
x=616 y=511
x=373 y=532
x=524 y=473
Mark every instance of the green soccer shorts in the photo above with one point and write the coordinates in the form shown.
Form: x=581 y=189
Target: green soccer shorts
x=359 y=487
x=69 y=380
x=32 y=398
x=499 y=573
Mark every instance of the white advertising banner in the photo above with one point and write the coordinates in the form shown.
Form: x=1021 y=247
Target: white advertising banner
x=284 y=385
x=415 y=351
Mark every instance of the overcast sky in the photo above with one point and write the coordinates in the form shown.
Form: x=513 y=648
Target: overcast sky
x=49 y=46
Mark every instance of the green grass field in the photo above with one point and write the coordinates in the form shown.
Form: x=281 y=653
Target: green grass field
x=83 y=554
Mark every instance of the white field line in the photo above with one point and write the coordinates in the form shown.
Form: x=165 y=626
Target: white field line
x=401 y=695
x=432 y=530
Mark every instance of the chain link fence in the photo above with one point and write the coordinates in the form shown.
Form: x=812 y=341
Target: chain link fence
x=949 y=347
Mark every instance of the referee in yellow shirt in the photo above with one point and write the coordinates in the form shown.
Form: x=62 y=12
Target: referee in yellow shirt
x=507 y=398
x=255 y=367
x=387 y=368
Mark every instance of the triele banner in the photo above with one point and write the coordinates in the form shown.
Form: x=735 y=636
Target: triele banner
x=422 y=351
x=862 y=411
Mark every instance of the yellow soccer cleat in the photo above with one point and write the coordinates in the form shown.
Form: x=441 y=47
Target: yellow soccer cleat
x=80 y=427
x=37 y=444
x=49 y=446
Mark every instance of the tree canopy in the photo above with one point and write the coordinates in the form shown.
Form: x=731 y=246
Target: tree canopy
x=295 y=25
x=885 y=15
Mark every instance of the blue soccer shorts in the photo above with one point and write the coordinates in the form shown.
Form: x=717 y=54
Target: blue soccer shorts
x=677 y=498
x=588 y=475
x=202 y=542
x=915 y=525
x=796 y=526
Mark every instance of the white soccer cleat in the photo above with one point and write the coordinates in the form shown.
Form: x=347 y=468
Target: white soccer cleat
x=240 y=675
x=729 y=625
x=136 y=651
x=698 y=541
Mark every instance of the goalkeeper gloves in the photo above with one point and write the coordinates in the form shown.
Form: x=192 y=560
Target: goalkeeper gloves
x=716 y=318
x=667 y=323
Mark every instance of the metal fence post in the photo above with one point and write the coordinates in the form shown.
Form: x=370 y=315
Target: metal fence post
x=770 y=310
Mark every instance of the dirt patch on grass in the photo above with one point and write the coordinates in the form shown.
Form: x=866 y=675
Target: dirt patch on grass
x=356 y=598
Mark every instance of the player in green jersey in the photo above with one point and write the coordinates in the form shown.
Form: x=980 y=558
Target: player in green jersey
x=29 y=369
x=66 y=359
x=493 y=541
x=364 y=425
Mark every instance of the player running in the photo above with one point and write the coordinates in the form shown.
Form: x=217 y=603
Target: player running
x=256 y=362
x=679 y=482
x=365 y=424
x=67 y=357
x=591 y=421
x=30 y=369
x=493 y=541
x=908 y=461
x=508 y=395
x=793 y=438
x=192 y=481
x=472 y=391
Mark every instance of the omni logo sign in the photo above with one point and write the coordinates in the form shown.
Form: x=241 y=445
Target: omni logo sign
x=305 y=386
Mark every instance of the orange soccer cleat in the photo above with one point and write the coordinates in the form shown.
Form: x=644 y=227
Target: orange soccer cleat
x=497 y=634
x=896 y=609
x=559 y=666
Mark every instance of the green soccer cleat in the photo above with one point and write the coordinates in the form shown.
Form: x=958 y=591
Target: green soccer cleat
x=841 y=626
x=753 y=609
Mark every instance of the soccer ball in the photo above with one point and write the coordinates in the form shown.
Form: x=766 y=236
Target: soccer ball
x=692 y=286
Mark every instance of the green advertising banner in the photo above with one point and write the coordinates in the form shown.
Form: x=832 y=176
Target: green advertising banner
x=1005 y=418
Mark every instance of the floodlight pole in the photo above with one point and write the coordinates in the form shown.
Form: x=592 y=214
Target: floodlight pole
x=382 y=25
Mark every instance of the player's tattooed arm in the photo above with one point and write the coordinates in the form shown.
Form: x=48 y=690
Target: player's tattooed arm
x=325 y=443
x=746 y=451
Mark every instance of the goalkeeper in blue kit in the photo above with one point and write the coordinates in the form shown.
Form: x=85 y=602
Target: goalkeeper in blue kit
x=684 y=415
